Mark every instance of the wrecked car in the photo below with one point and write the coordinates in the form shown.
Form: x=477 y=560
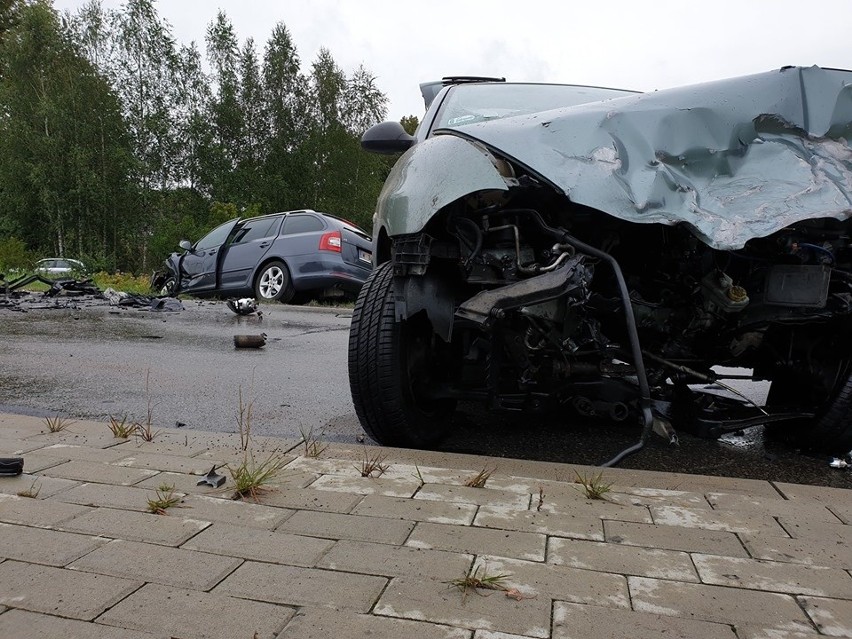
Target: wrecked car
x=604 y=252
x=272 y=257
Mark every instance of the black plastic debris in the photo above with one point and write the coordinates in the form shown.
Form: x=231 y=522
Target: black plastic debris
x=11 y=466
x=212 y=479
x=244 y=306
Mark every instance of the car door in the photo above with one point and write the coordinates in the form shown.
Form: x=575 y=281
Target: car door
x=246 y=247
x=198 y=265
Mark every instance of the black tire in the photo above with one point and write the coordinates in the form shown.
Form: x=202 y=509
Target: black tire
x=273 y=283
x=825 y=389
x=391 y=364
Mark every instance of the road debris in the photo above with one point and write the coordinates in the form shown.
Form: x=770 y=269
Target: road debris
x=212 y=479
x=11 y=466
x=250 y=341
x=244 y=306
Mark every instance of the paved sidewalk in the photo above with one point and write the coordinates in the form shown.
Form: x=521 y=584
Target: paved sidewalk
x=329 y=553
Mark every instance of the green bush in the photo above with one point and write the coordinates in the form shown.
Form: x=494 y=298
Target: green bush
x=14 y=255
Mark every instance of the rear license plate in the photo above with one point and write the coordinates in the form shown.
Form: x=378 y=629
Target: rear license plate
x=365 y=256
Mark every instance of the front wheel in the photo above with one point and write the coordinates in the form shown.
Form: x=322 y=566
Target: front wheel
x=394 y=369
x=273 y=283
x=821 y=382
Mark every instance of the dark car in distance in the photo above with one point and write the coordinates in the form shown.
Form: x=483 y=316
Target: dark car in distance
x=272 y=257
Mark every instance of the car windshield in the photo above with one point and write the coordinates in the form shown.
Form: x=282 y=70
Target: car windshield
x=470 y=103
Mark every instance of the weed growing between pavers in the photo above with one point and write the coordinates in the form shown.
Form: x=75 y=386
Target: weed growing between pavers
x=479 y=479
x=121 y=429
x=165 y=499
x=31 y=492
x=314 y=446
x=540 y=499
x=57 y=423
x=244 y=415
x=374 y=464
x=594 y=487
x=252 y=478
x=479 y=579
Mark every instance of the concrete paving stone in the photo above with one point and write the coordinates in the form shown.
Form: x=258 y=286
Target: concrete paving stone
x=649 y=496
x=833 y=617
x=58 y=591
x=9 y=446
x=35 y=462
x=46 y=486
x=674 y=538
x=260 y=545
x=22 y=623
x=771 y=576
x=239 y=512
x=151 y=563
x=387 y=486
x=415 y=510
x=36 y=512
x=716 y=603
x=345 y=467
x=691 y=482
x=825 y=494
x=105 y=495
x=578 y=621
x=99 y=473
x=308 y=499
x=730 y=521
x=571 y=491
x=550 y=581
x=802 y=528
x=20 y=426
x=322 y=623
x=430 y=474
x=756 y=631
x=842 y=511
x=192 y=614
x=505 y=543
x=188 y=445
x=626 y=560
x=83 y=453
x=170 y=463
x=577 y=526
x=467 y=495
x=355 y=527
x=580 y=506
x=812 y=510
x=168 y=530
x=434 y=600
x=490 y=634
x=236 y=455
x=394 y=561
x=41 y=546
x=810 y=552
x=69 y=437
x=293 y=585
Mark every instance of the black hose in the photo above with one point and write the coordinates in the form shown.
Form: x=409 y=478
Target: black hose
x=635 y=348
x=478 y=241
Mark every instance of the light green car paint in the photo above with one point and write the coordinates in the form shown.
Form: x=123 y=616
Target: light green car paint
x=429 y=176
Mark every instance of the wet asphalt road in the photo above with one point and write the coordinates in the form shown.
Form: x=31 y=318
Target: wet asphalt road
x=95 y=361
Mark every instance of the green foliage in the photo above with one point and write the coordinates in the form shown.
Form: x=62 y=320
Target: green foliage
x=116 y=143
x=410 y=123
x=14 y=255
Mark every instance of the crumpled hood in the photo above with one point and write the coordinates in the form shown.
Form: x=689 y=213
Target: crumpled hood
x=734 y=159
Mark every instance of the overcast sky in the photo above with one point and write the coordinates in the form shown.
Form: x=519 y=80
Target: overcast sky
x=628 y=44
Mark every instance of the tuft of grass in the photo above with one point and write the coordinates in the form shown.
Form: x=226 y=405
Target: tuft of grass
x=252 y=478
x=165 y=499
x=479 y=479
x=594 y=487
x=245 y=411
x=314 y=446
x=374 y=464
x=57 y=423
x=419 y=476
x=145 y=432
x=31 y=492
x=121 y=428
x=479 y=579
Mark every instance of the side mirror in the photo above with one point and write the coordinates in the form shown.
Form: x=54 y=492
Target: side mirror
x=186 y=245
x=387 y=138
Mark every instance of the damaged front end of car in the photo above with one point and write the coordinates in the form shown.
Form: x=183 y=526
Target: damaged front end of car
x=608 y=258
